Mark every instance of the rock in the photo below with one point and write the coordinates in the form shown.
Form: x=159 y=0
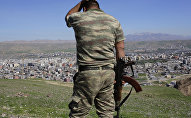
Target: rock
x=184 y=86
x=20 y=94
x=3 y=115
x=48 y=95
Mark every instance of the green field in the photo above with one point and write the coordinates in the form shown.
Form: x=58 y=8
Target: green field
x=41 y=99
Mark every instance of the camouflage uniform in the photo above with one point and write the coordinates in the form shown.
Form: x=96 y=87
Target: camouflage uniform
x=96 y=34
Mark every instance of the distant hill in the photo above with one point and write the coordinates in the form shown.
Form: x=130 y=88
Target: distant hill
x=12 y=49
x=154 y=37
x=161 y=44
x=38 y=41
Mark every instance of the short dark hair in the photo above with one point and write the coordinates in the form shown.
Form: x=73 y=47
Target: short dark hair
x=91 y=3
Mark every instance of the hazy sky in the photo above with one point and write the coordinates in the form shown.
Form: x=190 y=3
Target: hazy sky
x=44 y=19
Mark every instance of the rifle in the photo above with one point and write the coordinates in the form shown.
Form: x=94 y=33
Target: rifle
x=119 y=77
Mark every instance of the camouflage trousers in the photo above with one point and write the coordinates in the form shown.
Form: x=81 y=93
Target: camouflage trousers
x=93 y=87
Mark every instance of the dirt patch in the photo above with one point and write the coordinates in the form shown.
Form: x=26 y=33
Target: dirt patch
x=182 y=77
x=60 y=84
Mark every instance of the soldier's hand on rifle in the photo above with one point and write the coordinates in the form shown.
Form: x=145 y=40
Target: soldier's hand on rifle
x=123 y=82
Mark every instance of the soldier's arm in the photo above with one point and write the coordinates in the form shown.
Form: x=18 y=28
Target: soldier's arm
x=119 y=47
x=75 y=9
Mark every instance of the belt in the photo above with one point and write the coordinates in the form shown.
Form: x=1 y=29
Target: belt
x=83 y=68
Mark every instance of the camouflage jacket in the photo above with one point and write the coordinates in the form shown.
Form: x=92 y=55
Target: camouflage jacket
x=96 y=34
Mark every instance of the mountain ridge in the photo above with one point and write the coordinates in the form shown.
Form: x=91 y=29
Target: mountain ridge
x=147 y=36
x=144 y=36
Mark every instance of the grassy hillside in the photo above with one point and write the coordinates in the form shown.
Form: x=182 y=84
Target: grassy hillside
x=40 y=98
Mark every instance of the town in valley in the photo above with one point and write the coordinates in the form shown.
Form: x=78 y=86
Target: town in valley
x=153 y=64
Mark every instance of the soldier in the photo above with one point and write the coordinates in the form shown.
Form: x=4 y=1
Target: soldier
x=97 y=35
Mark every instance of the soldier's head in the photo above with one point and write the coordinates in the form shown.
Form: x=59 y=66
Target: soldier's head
x=90 y=4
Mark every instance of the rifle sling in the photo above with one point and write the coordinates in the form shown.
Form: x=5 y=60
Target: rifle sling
x=118 y=107
x=125 y=98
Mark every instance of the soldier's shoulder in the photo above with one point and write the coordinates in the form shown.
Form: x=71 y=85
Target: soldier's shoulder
x=111 y=17
x=76 y=14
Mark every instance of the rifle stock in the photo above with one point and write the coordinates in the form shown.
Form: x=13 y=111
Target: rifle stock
x=132 y=82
